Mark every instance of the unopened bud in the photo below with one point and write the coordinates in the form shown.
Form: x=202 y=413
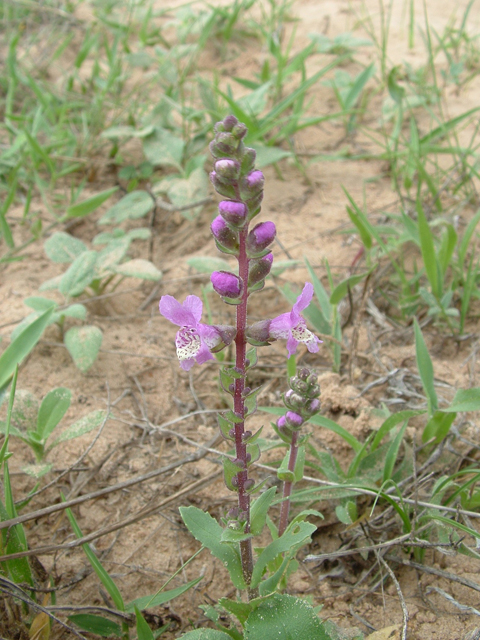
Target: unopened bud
x=252 y=185
x=220 y=187
x=246 y=435
x=229 y=122
x=227 y=285
x=260 y=237
x=248 y=160
x=313 y=406
x=227 y=170
x=293 y=420
x=235 y=213
x=259 y=269
x=249 y=484
x=225 y=237
x=258 y=333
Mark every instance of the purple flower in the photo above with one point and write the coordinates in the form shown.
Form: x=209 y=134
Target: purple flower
x=194 y=340
x=260 y=237
x=234 y=213
x=292 y=327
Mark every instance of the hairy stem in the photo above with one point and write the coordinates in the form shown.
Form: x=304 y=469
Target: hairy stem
x=287 y=486
x=239 y=408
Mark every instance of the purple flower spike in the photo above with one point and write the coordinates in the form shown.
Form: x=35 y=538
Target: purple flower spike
x=194 y=340
x=292 y=327
x=227 y=284
x=235 y=213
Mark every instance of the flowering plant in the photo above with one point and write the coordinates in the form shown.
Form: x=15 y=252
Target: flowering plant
x=263 y=577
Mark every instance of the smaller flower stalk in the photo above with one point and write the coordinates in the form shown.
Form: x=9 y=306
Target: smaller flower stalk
x=302 y=402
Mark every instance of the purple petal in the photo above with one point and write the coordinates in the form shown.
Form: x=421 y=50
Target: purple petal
x=291 y=345
x=195 y=306
x=280 y=326
x=304 y=298
x=172 y=310
x=209 y=335
x=187 y=364
x=204 y=354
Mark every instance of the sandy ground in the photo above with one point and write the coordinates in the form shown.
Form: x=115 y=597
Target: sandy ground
x=137 y=374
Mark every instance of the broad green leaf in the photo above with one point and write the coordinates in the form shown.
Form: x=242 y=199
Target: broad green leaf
x=185 y=191
x=284 y=617
x=241 y=610
x=21 y=346
x=139 y=268
x=293 y=538
x=206 y=264
x=79 y=428
x=83 y=344
x=102 y=574
x=38 y=303
x=85 y=207
x=25 y=410
x=109 y=257
x=146 y=602
x=113 y=133
x=163 y=149
x=134 y=205
x=269 y=155
x=206 y=634
x=37 y=470
x=465 y=400
x=143 y=630
x=207 y=531
x=62 y=247
x=425 y=369
x=96 y=624
x=259 y=510
x=79 y=274
x=77 y=311
x=54 y=406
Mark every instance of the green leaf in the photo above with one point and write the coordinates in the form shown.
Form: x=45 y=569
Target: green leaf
x=163 y=149
x=207 y=531
x=38 y=303
x=21 y=346
x=285 y=617
x=322 y=297
x=37 y=470
x=83 y=344
x=392 y=453
x=62 y=247
x=259 y=510
x=133 y=206
x=396 y=91
x=206 y=264
x=425 y=368
x=96 y=624
x=241 y=610
x=77 y=311
x=113 y=133
x=229 y=471
x=143 y=630
x=54 y=406
x=206 y=634
x=146 y=602
x=293 y=538
x=391 y=422
x=83 y=208
x=361 y=228
x=341 y=289
x=428 y=252
x=465 y=400
x=185 y=191
x=139 y=268
x=102 y=574
x=79 y=428
x=438 y=426
x=79 y=274
x=109 y=257
x=269 y=155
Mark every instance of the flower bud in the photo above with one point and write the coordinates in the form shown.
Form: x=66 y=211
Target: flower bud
x=233 y=513
x=294 y=400
x=235 y=213
x=260 y=237
x=313 y=407
x=314 y=391
x=224 y=144
x=246 y=435
x=231 y=433
x=225 y=237
x=293 y=420
x=227 y=285
x=281 y=422
x=248 y=160
x=259 y=269
x=252 y=185
x=225 y=335
x=239 y=130
x=249 y=484
x=227 y=170
x=229 y=122
x=258 y=333
x=220 y=187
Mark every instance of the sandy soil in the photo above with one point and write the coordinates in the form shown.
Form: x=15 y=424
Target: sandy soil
x=137 y=374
